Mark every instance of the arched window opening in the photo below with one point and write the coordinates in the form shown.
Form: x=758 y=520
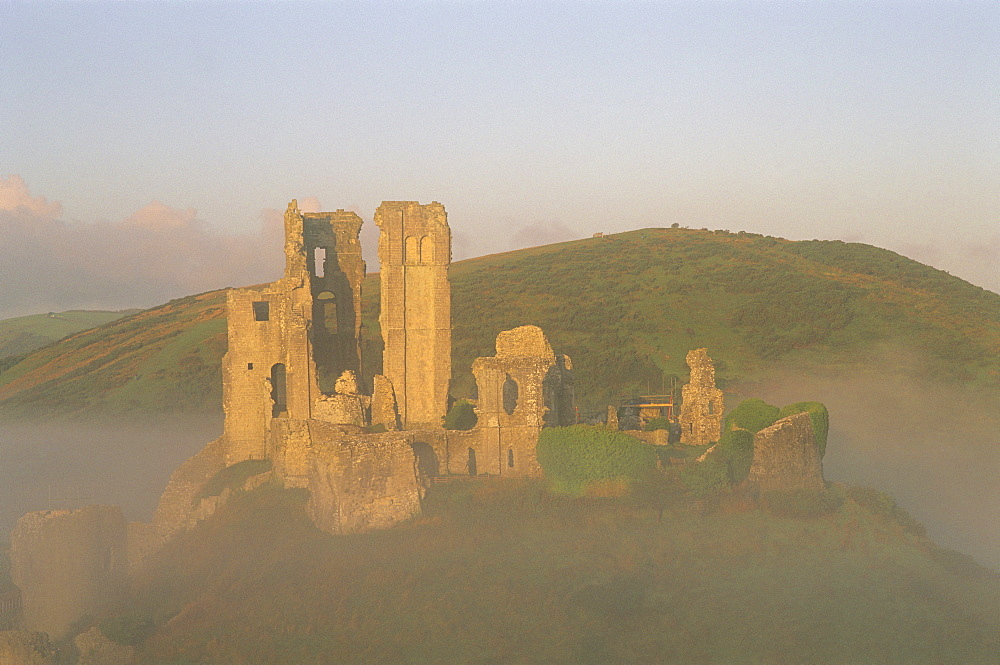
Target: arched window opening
x=278 y=390
x=411 y=251
x=426 y=250
x=472 y=462
x=510 y=458
x=711 y=408
x=328 y=311
x=509 y=395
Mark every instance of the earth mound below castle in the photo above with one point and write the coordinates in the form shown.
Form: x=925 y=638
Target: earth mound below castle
x=505 y=572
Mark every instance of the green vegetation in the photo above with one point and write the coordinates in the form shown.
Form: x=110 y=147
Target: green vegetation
x=23 y=334
x=654 y=424
x=801 y=503
x=232 y=477
x=752 y=415
x=461 y=415
x=707 y=477
x=736 y=449
x=504 y=572
x=817 y=414
x=589 y=459
x=625 y=307
x=128 y=629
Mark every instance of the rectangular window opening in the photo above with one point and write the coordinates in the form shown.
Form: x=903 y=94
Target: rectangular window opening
x=249 y=365
x=319 y=261
x=261 y=310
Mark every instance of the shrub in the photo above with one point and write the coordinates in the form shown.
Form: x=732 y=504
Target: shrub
x=580 y=456
x=461 y=416
x=657 y=423
x=736 y=449
x=704 y=478
x=127 y=629
x=802 y=503
x=752 y=415
x=820 y=420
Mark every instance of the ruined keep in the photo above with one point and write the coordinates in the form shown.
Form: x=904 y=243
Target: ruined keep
x=414 y=249
x=291 y=339
x=702 y=405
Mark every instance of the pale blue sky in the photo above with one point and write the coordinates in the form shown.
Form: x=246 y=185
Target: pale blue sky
x=530 y=121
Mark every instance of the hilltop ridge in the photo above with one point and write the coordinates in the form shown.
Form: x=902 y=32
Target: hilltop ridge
x=626 y=307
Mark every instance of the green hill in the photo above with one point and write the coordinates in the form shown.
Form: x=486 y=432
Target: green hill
x=501 y=572
x=625 y=307
x=27 y=333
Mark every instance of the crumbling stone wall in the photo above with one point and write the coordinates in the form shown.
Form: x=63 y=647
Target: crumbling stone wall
x=702 y=406
x=525 y=387
x=786 y=457
x=68 y=565
x=414 y=250
x=291 y=339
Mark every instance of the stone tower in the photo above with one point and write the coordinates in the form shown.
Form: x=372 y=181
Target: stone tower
x=702 y=405
x=289 y=340
x=414 y=249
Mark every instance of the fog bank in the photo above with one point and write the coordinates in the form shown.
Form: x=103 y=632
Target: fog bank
x=51 y=466
x=935 y=450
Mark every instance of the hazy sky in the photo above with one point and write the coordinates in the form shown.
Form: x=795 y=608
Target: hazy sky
x=146 y=147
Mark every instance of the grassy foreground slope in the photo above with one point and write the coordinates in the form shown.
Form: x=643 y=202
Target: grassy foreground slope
x=625 y=307
x=27 y=333
x=502 y=572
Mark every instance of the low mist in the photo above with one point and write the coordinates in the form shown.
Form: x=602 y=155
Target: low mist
x=57 y=466
x=936 y=451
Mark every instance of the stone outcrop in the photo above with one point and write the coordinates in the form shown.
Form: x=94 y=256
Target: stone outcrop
x=786 y=457
x=702 y=406
x=24 y=647
x=414 y=250
x=68 y=564
x=523 y=388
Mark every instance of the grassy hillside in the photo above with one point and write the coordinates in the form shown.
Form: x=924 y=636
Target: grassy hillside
x=165 y=359
x=27 y=333
x=501 y=572
x=625 y=307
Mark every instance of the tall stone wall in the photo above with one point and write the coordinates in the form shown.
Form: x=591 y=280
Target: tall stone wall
x=68 y=565
x=415 y=252
x=702 y=406
x=289 y=340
